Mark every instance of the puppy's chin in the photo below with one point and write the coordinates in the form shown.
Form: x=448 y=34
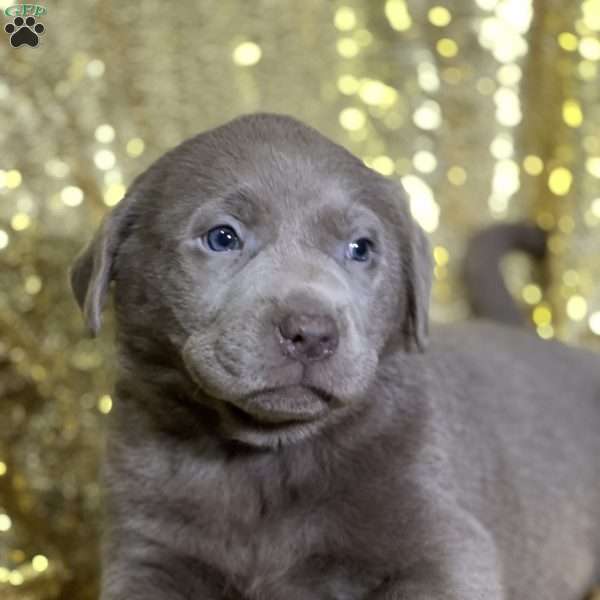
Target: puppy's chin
x=273 y=417
x=287 y=403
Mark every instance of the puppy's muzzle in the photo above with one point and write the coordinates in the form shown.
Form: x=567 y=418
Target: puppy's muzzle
x=308 y=337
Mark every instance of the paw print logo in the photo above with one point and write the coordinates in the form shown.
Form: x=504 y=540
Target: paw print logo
x=24 y=32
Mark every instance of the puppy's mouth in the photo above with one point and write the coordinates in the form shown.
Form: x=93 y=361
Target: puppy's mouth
x=280 y=407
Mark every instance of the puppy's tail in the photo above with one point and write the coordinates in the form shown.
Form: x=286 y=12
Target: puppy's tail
x=488 y=295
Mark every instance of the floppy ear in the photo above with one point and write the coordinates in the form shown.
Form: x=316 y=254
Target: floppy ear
x=418 y=275
x=92 y=270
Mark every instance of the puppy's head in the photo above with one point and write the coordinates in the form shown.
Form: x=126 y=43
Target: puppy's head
x=275 y=265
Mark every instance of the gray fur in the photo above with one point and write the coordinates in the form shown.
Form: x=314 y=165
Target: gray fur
x=461 y=467
x=488 y=295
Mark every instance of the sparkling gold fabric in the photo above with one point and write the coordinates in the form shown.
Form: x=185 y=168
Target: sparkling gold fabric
x=485 y=109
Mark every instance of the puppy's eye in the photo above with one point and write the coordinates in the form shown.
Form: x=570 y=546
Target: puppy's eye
x=223 y=238
x=359 y=250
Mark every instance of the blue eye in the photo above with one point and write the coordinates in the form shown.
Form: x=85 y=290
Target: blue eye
x=359 y=250
x=223 y=238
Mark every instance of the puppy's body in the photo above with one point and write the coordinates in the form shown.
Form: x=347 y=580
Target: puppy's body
x=346 y=461
x=471 y=470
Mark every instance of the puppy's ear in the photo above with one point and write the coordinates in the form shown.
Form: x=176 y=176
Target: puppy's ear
x=92 y=270
x=418 y=275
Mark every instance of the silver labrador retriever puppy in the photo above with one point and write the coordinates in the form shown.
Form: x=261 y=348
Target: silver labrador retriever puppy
x=283 y=427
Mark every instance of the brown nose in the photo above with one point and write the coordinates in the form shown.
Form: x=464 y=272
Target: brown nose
x=308 y=338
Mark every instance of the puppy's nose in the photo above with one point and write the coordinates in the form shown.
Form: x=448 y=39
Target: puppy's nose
x=307 y=337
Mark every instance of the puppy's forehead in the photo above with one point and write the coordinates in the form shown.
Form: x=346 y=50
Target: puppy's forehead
x=276 y=162
x=274 y=155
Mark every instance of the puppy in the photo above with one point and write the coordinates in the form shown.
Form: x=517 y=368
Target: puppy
x=285 y=428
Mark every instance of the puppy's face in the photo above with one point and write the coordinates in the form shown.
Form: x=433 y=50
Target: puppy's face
x=274 y=263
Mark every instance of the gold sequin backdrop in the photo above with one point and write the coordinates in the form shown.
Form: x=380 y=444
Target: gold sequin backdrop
x=487 y=109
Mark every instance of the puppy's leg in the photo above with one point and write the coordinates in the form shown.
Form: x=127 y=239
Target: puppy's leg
x=471 y=580
x=134 y=581
x=461 y=565
x=467 y=583
x=145 y=571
